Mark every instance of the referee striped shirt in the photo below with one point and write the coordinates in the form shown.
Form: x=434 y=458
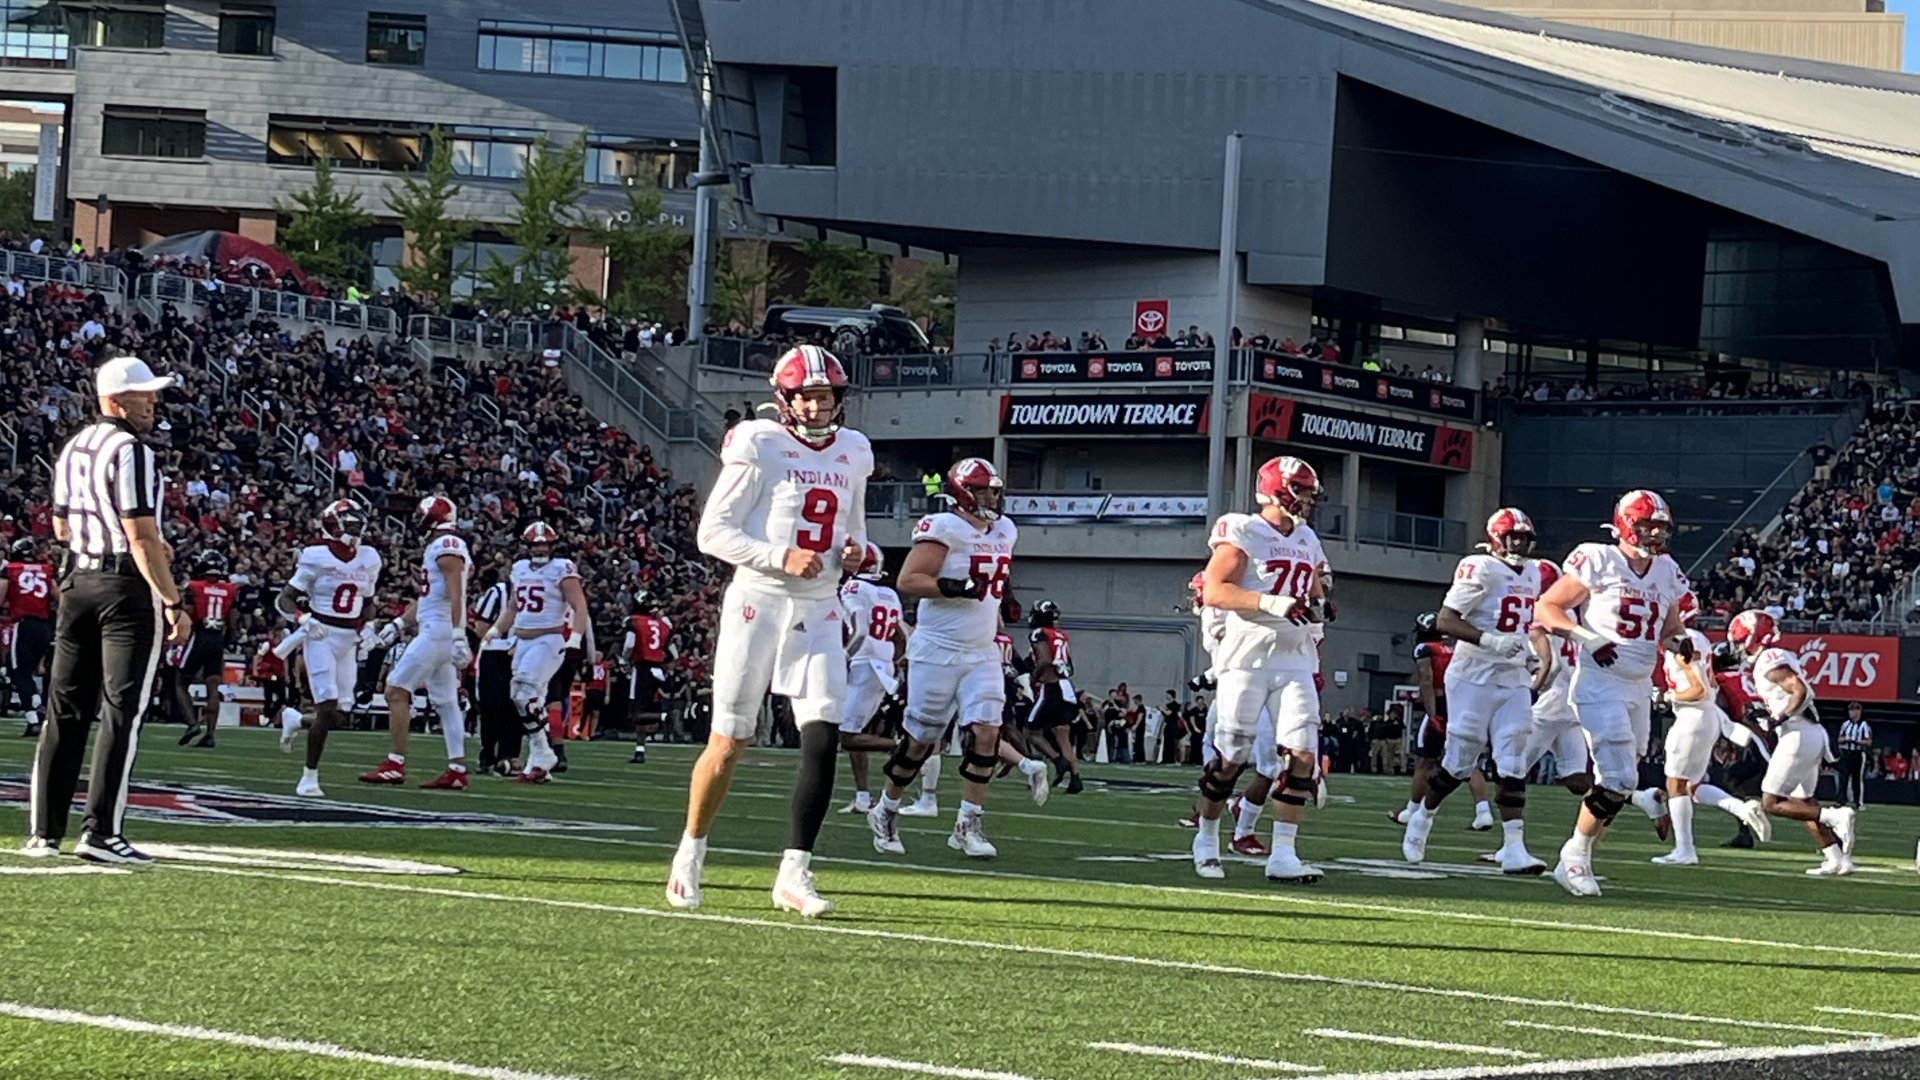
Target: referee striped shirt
x=491 y=605
x=1855 y=735
x=104 y=474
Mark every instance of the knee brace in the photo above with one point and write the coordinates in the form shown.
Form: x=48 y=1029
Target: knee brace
x=1605 y=803
x=1216 y=780
x=1442 y=784
x=532 y=717
x=974 y=765
x=1295 y=790
x=1512 y=794
x=902 y=767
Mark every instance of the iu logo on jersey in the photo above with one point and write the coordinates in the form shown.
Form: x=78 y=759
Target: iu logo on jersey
x=748 y=613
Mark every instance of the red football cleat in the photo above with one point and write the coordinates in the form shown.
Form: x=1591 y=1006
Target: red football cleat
x=1663 y=826
x=1191 y=821
x=387 y=772
x=1250 y=846
x=451 y=780
x=534 y=775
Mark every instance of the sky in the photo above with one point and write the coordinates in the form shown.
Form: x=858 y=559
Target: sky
x=1910 y=55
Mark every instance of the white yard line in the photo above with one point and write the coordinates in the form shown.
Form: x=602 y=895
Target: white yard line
x=1419 y=1044
x=819 y=927
x=1704 y=1044
x=1867 y=1012
x=256 y=1042
x=1198 y=1055
x=1660 y=1059
x=924 y=1068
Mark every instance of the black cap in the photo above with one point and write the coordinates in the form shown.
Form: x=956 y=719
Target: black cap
x=1853 y=704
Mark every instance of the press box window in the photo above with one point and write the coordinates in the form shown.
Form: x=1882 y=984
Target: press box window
x=126 y=24
x=133 y=131
x=586 y=52
x=396 y=39
x=246 y=30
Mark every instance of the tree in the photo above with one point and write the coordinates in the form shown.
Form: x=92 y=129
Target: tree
x=16 y=205
x=929 y=295
x=320 y=223
x=651 y=256
x=737 y=284
x=839 y=276
x=551 y=187
x=420 y=201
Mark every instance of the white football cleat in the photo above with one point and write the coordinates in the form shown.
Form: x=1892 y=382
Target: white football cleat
x=1676 y=858
x=1840 y=867
x=1398 y=817
x=1036 y=773
x=967 y=837
x=683 y=886
x=884 y=824
x=1846 y=826
x=924 y=806
x=1757 y=820
x=857 y=806
x=39 y=848
x=309 y=787
x=1576 y=878
x=544 y=762
x=1482 y=821
x=1206 y=857
x=289 y=727
x=1284 y=866
x=1519 y=862
x=1413 y=846
x=793 y=891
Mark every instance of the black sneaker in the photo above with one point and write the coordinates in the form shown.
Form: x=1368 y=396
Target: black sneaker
x=1741 y=839
x=1074 y=786
x=112 y=850
x=193 y=732
x=31 y=731
x=560 y=763
x=639 y=756
x=206 y=741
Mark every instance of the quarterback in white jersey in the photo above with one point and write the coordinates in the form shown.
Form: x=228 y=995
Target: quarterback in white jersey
x=1698 y=723
x=1265 y=571
x=1800 y=745
x=438 y=653
x=789 y=512
x=1627 y=595
x=1489 y=691
x=547 y=617
x=876 y=644
x=957 y=569
x=333 y=585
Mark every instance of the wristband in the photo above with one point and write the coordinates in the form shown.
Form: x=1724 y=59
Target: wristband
x=1277 y=606
x=957 y=588
x=1589 y=640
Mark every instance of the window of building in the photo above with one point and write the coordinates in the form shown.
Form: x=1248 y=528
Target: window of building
x=246 y=30
x=581 y=51
x=33 y=33
x=120 y=24
x=396 y=38
x=625 y=162
x=141 y=131
x=498 y=153
x=391 y=146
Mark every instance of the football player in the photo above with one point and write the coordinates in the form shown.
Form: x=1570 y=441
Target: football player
x=547 y=618
x=1431 y=655
x=329 y=597
x=1698 y=724
x=1265 y=572
x=1487 y=611
x=1617 y=602
x=876 y=646
x=1055 y=705
x=438 y=653
x=957 y=569
x=789 y=512
x=1800 y=745
x=27 y=595
x=648 y=648
x=210 y=596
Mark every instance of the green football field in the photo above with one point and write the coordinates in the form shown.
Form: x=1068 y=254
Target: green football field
x=516 y=932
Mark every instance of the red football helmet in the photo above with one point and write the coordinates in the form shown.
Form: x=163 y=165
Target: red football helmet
x=975 y=488
x=343 y=523
x=438 y=512
x=1642 y=522
x=1510 y=535
x=1290 y=484
x=1688 y=606
x=1549 y=573
x=1752 y=631
x=873 y=563
x=805 y=367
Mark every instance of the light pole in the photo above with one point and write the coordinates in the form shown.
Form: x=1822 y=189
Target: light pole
x=700 y=274
x=1223 y=339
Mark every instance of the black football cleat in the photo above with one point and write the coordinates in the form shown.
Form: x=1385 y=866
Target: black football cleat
x=193 y=732
x=1741 y=839
x=639 y=756
x=560 y=760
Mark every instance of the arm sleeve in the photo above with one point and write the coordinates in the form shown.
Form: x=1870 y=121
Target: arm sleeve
x=722 y=533
x=136 y=481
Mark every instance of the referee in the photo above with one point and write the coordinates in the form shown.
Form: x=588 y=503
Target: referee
x=500 y=727
x=118 y=601
x=1856 y=738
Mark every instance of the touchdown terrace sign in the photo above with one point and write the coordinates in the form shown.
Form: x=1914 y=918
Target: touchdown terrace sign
x=1104 y=414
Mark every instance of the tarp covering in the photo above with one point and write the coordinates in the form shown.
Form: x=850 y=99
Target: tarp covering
x=220 y=249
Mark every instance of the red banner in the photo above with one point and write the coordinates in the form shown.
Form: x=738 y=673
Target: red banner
x=1149 y=318
x=1844 y=667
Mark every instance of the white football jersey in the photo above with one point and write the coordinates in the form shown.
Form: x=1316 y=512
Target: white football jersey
x=873 y=613
x=776 y=493
x=1277 y=564
x=1626 y=608
x=1671 y=665
x=538 y=603
x=1555 y=701
x=1491 y=594
x=336 y=589
x=955 y=630
x=1773 y=694
x=436 y=603
x=1213 y=626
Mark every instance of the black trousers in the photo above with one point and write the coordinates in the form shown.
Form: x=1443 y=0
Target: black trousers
x=500 y=728
x=106 y=649
x=1853 y=777
x=32 y=641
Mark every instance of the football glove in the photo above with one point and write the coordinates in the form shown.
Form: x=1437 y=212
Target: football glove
x=1604 y=652
x=1503 y=646
x=960 y=588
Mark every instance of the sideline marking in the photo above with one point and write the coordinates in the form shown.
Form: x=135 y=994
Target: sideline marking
x=896 y=1065
x=1866 y=1012
x=1659 y=1059
x=1196 y=1055
x=280 y=859
x=1705 y=1044
x=256 y=1042
x=1420 y=1044
x=1036 y=950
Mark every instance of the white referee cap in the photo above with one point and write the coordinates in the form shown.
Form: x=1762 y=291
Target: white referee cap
x=128 y=373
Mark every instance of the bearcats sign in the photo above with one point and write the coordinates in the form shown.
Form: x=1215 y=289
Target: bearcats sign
x=1843 y=667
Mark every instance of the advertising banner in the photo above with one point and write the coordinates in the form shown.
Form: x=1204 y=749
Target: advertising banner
x=1104 y=414
x=1286 y=420
x=1844 y=667
x=1183 y=365
x=1302 y=373
x=1149 y=318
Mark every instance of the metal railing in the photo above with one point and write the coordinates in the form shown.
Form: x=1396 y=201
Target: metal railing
x=661 y=377
x=1415 y=531
x=178 y=289
x=10 y=439
x=672 y=424
x=1791 y=473
x=516 y=335
x=75 y=272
